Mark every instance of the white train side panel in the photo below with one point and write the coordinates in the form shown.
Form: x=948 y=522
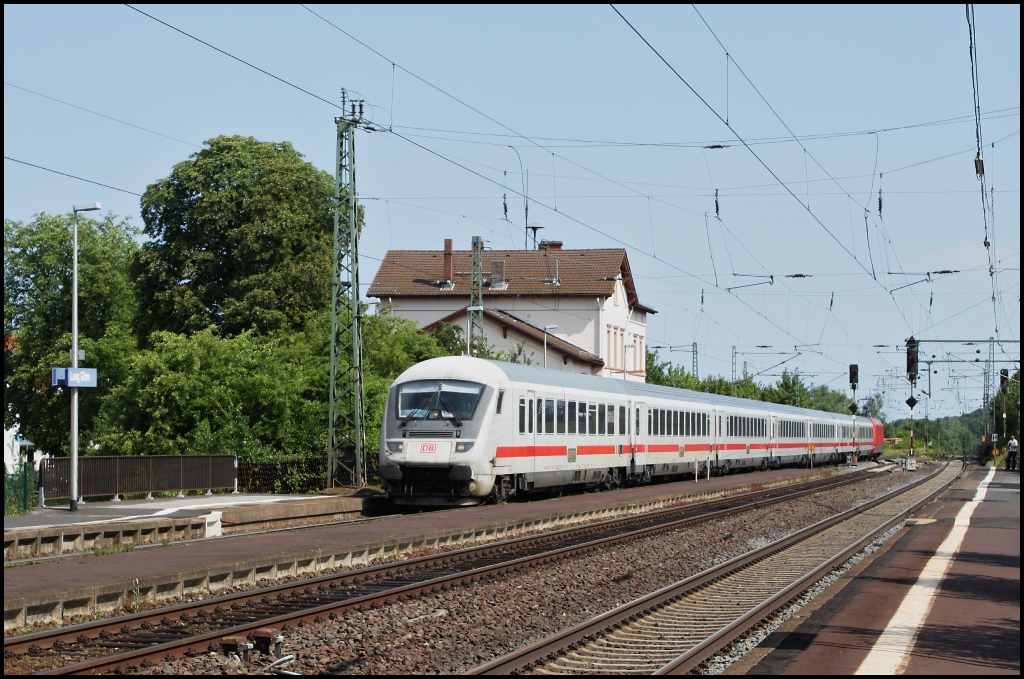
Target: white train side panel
x=458 y=430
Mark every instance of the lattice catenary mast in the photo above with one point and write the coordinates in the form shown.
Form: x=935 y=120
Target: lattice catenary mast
x=346 y=425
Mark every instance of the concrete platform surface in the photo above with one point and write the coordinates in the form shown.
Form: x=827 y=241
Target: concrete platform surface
x=941 y=597
x=131 y=510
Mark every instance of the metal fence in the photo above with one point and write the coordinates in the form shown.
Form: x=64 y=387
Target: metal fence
x=115 y=475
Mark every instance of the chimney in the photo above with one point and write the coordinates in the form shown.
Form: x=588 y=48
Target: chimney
x=550 y=245
x=448 y=259
x=498 y=275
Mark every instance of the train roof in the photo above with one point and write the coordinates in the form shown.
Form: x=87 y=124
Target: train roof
x=490 y=371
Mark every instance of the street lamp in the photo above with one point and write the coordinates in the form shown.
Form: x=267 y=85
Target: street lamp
x=81 y=207
x=546 y=328
x=624 y=347
x=469 y=315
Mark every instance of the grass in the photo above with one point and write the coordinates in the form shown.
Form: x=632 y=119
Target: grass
x=101 y=551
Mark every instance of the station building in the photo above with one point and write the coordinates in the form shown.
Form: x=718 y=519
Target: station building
x=588 y=294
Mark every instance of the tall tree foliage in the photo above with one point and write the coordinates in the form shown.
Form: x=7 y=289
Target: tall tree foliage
x=37 y=319
x=249 y=395
x=789 y=390
x=241 y=240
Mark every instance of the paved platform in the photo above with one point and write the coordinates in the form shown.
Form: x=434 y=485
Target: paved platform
x=59 y=589
x=47 y=532
x=941 y=597
x=130 y=510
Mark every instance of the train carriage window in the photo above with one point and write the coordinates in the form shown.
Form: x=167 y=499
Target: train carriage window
x=675 y=423
x=622 y=420
x=501 y=397
x=572 y=417
x=549 y=416
x=529 y=428
x=637 y=421
x=560 y=416
x=592 y=412
x=685 y=427
x=611 y=420
x=583 y=417
x=522 y=414
x=650 y=418
x=662 y=430
x=600 y=420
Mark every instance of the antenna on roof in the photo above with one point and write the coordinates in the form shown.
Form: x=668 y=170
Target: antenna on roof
x=535 y=227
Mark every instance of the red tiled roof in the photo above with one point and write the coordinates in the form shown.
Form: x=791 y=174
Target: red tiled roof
x=420 y=273
x=525 y=328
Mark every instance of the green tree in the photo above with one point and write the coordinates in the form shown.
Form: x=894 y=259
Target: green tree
x=874 y=406
x=242 y=239
x=669 y=375
x=829 y=400
x=449 y=338
x=256 y=397
x=790 y=390
x=37 y=320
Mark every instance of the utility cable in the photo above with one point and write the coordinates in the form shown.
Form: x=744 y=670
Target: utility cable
x=65 y=174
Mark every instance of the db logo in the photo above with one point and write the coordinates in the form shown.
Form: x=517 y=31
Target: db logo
x=428 y=447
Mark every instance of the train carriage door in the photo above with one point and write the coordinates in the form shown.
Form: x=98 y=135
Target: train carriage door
x=771 y=452
x=638 y=439
x=534 y=425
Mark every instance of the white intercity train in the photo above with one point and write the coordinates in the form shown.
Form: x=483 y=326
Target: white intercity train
x=460 y=430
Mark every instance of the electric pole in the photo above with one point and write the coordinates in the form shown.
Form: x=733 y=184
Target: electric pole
x=346 y=464
x=476 y=293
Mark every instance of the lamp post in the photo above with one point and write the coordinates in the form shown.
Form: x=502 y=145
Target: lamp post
x=624 y=347
x=546 y=328
x=469 y=312
x=81 y=207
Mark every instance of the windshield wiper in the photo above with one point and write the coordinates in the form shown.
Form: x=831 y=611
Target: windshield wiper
x=455 y=418
x=423 y=406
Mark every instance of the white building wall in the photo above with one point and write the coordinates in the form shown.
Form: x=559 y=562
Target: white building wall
x=600 y=325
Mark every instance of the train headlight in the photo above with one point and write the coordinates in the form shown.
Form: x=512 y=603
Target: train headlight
x=396 y=446
x=463 y=446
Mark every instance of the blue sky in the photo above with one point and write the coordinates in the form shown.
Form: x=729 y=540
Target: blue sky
x=880 y=98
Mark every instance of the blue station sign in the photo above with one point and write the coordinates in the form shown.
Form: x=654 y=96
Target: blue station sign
x=74 y=377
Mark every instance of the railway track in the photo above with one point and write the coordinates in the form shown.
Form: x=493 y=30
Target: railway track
x=150 y=636
x=676 y=629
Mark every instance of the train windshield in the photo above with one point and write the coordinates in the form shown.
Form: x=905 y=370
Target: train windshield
x=438 y=400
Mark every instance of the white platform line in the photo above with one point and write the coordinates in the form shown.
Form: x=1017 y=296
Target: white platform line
x=891 y=652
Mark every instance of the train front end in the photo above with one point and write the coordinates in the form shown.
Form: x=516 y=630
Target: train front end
x=433 y=448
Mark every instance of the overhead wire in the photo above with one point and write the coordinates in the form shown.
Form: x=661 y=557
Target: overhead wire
x=277 y=78
x=750 y=149
x=511 y=130
x=65 y=174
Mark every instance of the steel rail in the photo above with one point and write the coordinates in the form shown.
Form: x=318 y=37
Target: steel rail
x=316 y=590
x=524 y=659
x=706 y=649
x=72 y=633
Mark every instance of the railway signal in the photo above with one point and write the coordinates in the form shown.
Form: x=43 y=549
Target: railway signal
x=854 y=376
x=1004 y=380
x=912 y=345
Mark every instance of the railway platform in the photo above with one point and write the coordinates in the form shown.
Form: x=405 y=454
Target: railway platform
x=940 y=597
x=50 y=591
